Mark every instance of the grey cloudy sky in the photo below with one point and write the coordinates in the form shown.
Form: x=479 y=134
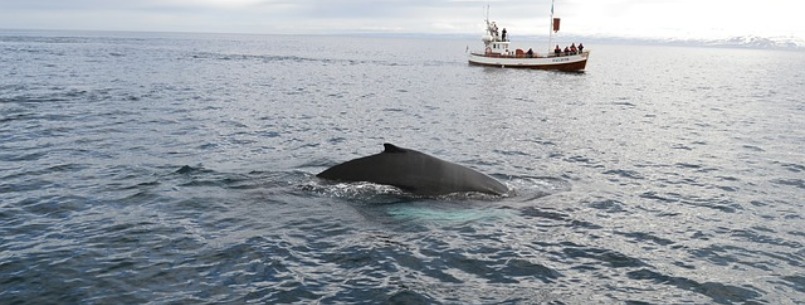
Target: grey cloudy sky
x=627 y=18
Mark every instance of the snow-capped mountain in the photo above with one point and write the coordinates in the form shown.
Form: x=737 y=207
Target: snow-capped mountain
x=749 y=42
x=757 y=42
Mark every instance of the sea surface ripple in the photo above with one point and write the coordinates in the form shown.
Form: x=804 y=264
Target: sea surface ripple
x=142 y=168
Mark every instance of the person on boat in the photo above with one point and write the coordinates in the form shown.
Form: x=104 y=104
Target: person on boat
x=581 y=48
x=567 y=51
x=529 y=53
x=503 y=37
x=573 y=49
x=557 y=51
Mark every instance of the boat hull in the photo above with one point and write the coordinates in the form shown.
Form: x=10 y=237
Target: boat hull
x=569 y=63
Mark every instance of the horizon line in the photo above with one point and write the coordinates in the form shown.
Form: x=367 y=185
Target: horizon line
x=767 y=42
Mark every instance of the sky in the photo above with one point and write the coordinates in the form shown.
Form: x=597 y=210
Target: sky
x=693 y=19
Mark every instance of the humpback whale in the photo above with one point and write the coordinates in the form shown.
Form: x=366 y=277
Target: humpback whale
x=415 y=172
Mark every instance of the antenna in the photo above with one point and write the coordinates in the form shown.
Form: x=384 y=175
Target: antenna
x=550 y=31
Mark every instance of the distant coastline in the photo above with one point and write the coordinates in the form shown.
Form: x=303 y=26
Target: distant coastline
x=744 y=42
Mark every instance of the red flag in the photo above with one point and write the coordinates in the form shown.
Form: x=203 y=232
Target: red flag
x=555 y=25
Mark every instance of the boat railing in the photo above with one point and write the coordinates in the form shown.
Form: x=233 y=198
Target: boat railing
x=524 y=55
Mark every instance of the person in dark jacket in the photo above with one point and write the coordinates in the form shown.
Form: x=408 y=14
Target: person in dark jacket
x=557 y=51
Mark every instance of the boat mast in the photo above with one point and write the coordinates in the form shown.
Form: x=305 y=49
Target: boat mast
x=550 y=31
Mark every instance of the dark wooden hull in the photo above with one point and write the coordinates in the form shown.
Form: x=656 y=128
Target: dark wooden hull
x=571 y=63
x=568 y=67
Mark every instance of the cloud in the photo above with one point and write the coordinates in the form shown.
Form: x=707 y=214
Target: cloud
x=630 y=18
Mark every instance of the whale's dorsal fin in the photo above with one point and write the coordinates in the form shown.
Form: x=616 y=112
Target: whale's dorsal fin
x=390 y=148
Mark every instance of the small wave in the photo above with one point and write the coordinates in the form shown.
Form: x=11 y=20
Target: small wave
x=611 y=258
x=681 y=147
x=718 y=292
x=716 y=203
x=187 y=169
x=754 y=148
x=627 y=104
x=26 y=157
x=609 y=205
x=799 y=183
x=407 y=296
x=794 y=167
x=559 y=218
x=641 y=237
x=293 y=59
x=265 y=58
x=796 y=282
x=535 y=187
x=381 y=194
x=656 y=196
x=625 y=174
x=512 y=153
x=363 y=191
x=527 y=187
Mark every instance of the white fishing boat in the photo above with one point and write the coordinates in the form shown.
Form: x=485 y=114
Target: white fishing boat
x=499 y=53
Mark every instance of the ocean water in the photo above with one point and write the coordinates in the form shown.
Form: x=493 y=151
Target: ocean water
x=180 y=169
